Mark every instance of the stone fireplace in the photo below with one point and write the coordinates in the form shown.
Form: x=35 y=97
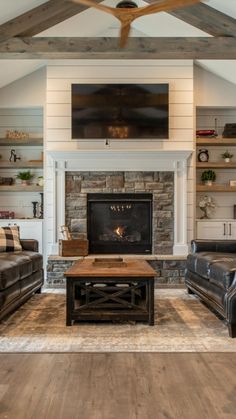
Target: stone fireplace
x=162 y=174
x=150 y=228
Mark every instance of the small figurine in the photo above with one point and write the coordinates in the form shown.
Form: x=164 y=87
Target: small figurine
x=13 y=156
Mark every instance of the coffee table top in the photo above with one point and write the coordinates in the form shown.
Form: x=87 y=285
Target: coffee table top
x=131 y=268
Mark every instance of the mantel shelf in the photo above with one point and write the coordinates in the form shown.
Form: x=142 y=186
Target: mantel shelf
x=21 y=142
x=21 y=188
x=215 y=188
x=6 y=164
x=216 y=165
x=216 y=141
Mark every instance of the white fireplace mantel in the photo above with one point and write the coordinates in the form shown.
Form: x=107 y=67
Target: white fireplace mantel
x=58 y=162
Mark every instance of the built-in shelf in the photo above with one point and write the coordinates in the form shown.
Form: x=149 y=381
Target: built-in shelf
x=215 y=188
x=216 y=165
x=21 y=188
x=6 y=164
x=22 y=142
x=215 y=219
x=16 y=220
x=218 y=141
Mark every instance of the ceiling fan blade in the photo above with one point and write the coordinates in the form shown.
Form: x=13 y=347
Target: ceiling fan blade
x=124 y=33
x=98 y=6
x=162 y=6
x=127 y=15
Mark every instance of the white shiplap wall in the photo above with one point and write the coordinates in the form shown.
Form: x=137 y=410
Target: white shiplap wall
x=28 y=120
x=60 y=76
x=206 y=120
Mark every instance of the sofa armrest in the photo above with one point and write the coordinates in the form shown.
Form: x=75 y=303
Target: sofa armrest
x=30 y=244
x=224 y=246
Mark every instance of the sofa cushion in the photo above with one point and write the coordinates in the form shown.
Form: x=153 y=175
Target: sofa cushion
x=36 y=259
x=10 y=239
x=222 y=273
x=14 y=266
x=200 y=262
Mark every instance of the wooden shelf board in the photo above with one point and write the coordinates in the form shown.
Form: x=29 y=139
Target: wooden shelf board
x=218 y=141
x=5 y=164
x=22 y=142
x=215 y=188
x=21 y=188
x=25 y=220
x=215 y=165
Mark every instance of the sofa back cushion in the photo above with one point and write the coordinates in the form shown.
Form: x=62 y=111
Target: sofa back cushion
x=10 y=239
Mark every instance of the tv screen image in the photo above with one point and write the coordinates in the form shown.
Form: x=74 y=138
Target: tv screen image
x=120 y=111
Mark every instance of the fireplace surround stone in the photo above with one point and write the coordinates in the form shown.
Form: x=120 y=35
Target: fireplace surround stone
x=159 y=184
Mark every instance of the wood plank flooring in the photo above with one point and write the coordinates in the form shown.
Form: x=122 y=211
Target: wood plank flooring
x=118 y=386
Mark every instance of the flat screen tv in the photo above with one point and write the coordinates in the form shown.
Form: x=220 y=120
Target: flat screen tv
x=120 y=111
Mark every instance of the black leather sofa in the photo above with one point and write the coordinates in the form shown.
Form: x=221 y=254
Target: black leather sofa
x=211 y=274
x=21 y=275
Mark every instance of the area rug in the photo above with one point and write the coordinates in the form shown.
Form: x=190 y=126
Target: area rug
x=182 y=324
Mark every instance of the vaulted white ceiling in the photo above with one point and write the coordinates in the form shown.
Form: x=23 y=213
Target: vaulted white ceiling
x=95 y=23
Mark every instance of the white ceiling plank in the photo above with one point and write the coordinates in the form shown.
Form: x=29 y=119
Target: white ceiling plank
x=13 y=8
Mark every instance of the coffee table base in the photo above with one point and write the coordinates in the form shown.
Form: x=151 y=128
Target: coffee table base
x=110 y=299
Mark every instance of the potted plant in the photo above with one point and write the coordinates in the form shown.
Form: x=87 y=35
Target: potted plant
x=25 y=177
x=208 y=176
x=227 y=156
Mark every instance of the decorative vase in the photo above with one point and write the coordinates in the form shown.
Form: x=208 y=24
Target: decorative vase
x=227 y=160
x=205 y=213
x=208 y=182
x=40 y=181
x=25 y=182
x=35 y=203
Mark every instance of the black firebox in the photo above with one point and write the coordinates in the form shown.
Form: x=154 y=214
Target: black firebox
x=120 y=223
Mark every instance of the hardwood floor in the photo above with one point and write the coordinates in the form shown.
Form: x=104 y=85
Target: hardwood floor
x=118 y=385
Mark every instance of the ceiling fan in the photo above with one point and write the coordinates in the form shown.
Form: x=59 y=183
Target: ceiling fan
x=127 y=11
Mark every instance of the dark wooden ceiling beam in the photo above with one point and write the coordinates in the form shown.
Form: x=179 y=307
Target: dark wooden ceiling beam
x=207 y=19
x=223 y=48
x=53 y=12
x=68 y=10
x=40 y=18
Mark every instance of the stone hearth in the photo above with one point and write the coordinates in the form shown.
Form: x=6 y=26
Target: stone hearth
x=160 y=184
x=169 y=272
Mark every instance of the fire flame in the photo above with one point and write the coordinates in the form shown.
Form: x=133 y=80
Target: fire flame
x=119 y=231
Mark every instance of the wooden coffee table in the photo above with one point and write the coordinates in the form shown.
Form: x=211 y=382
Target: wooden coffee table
x=110 y=290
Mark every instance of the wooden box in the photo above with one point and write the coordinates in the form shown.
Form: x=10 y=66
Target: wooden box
x=74 y=247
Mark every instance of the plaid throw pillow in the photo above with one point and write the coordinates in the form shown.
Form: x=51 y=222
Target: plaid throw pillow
x=9 y=239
